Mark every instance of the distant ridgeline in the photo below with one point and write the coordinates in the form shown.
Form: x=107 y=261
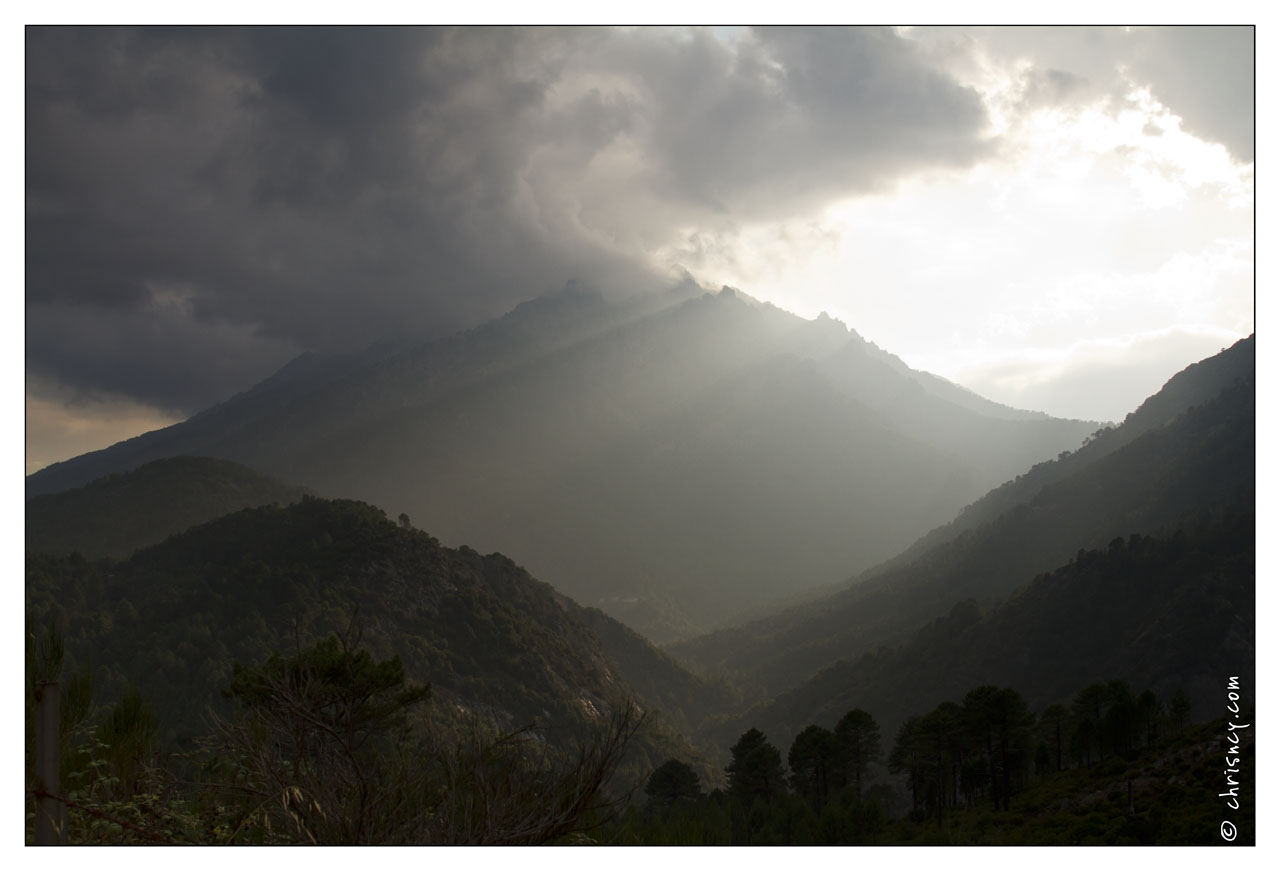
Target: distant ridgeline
x=671 y=458
x=116 y=515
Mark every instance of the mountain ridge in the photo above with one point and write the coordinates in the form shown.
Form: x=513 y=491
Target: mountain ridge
x=1168 y=613
x=1151 y=483
x=639 y=422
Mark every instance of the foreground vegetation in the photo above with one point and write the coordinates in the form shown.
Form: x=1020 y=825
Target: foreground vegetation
x=1111 y=767
x=327 y=746
x=330 y=746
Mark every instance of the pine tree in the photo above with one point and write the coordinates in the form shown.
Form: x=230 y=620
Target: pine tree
x=755 y=772
x=812 y=759
x=858 y=743
x=672 y=782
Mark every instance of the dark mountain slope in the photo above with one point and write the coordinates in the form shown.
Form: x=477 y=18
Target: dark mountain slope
x=1165 y=613
x=669 y=461
x=117 y=515
x=491 y=640
x=1201 y=461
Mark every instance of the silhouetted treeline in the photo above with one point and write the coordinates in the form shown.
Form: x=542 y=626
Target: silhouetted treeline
x=984 y=769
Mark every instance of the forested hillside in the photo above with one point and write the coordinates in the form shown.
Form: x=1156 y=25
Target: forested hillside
x=1171 y=613
x=494 y=643
x=1194 y=386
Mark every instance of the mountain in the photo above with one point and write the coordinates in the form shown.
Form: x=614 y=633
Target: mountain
x=493 y=642
x=1194 y=386
x=116 y=515
x=672 y=459
x=1158 y=475
x=255 y=421
x=1162 y=613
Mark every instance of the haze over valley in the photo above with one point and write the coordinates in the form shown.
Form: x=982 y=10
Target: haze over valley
x=671 y=467
x=710 y=436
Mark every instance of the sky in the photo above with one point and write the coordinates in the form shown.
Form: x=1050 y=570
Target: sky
x=1058 y=218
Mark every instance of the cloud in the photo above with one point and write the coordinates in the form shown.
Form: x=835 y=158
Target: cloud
x=1048 y=87
x=132 y=352
x=1067 y=379
x=61 y=423
x=323 y=188
x=203 y=203
x=1204 y=75
x=798 y=116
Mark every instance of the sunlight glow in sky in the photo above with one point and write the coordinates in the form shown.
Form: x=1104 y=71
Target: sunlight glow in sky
x=1094 y=234
x=1060 y=218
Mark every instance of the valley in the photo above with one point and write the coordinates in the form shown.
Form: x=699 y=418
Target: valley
x=1129 y=558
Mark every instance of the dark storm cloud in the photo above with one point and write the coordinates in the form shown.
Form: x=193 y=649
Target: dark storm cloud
x=115 y=352
x=1205 y=75
x=794 y=118
x=201 y=204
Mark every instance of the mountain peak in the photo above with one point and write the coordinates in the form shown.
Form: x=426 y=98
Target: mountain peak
x=524 y=434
